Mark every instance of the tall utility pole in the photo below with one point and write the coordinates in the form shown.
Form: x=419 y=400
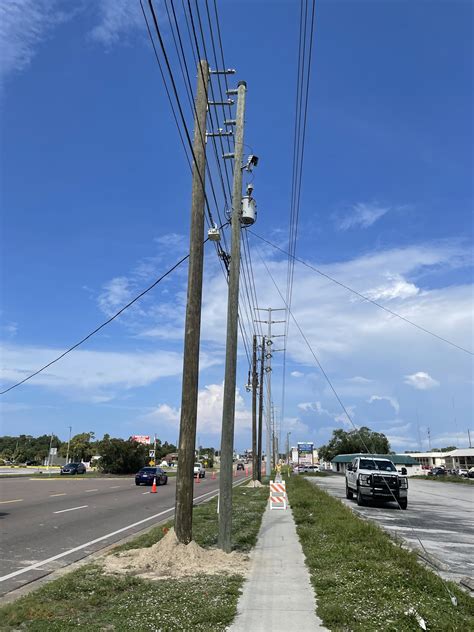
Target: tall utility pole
x=260 y=411
x=268 y=356
x=187 y=431
x=254 y=409
x=68 y=444
x=228 y=413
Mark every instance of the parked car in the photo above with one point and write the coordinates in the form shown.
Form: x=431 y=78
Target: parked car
x=199 y=470
x=470 y=473
x=73 y=468
x=240 y=466
x=437 y=471
x=462 y=472
x=146 y=475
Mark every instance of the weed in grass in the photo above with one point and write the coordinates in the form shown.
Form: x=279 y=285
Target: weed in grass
x=87 y=599
x=362 y=581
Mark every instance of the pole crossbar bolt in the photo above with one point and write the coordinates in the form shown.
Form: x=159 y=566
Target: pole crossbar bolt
x=230 y=122
x=228 y=71
x=220 y=133
x=228 y=156
x=228 y=102
x=231 y=91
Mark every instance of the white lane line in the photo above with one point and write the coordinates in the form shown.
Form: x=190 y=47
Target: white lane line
x=91 y=490
x=53 y=495
x=115 y=486
x=102 y=538
x=145 y=492
x=72 y=509
x=17 y=500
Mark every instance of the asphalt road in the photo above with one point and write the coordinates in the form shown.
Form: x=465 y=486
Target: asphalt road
x=49 y=523
x=438 y=524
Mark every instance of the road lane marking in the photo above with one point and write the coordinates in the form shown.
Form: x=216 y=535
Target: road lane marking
x=115 y=486
x=36 y=565
x=53 y=495
x=17 y=500
x=91 y=490
x=145 y=492
x=72 y=509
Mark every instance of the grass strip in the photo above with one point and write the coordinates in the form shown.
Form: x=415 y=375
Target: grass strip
x=446 y=479
x=363 y=580
x=87 y=599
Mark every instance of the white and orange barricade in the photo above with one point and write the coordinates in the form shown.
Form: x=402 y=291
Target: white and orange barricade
x=278 y=498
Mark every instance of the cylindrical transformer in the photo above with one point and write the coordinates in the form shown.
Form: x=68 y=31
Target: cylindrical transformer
x=249 y=211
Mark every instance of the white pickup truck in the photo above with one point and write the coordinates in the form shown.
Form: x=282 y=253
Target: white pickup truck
x=375 y=478
x=199 y=470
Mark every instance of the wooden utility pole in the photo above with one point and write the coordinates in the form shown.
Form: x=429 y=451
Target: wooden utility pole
x=254 y=409
x=260 y=410
x=228 y=413
x=187 y=431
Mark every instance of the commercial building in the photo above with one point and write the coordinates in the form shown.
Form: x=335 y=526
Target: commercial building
x=413 y=467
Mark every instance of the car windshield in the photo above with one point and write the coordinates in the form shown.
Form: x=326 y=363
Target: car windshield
x=148 y=470
x=197 y=465
x=375 y=464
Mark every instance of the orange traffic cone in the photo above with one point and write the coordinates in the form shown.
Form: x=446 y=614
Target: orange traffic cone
x=198 y=480
x=153 y=487
x=213 y=476
x=246 y=471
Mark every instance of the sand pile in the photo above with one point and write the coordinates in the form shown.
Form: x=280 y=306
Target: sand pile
x=169 y=558
x=254 y=484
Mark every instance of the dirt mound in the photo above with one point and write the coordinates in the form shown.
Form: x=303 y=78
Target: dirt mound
x=254 y=484
x=169 y=558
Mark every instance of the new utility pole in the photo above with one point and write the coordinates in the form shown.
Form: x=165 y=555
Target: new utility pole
x=260 y=411
x=68 y=444
x=254 y=409
x=268 y=356
x=187 y=431
x=228 y=413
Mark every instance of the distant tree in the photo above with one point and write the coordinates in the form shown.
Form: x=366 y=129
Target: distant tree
x=343 y=442
x=82 y=447
x=450 y=448
x=121 y=457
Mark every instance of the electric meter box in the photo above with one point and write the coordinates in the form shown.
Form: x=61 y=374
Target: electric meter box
x=249 y=211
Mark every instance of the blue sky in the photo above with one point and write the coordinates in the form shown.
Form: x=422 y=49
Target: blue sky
x=96 y=197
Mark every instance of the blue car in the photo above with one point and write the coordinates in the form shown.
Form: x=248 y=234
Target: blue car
x=146 y=475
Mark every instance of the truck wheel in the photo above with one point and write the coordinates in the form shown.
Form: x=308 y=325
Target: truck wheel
x=349 y=494
x=360 y=499
x=403 y=502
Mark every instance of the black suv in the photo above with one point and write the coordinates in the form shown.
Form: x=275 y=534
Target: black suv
x=73 y=468
x=146 y=475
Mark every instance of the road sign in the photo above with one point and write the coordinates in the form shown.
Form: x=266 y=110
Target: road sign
x=53 y=451
x=151 y=454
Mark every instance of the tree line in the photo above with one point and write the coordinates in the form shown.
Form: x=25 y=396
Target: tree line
x=117 y=456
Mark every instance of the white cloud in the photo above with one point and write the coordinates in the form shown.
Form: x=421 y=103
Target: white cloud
x=391 y=400
x=315 y=407
x=209 y=414
x=24 y=24
x=421 y=381
x=117 y=18
x=116 y=293
x=296 y=374
x=95 y=375
x=395 y=287
x=358 y=379
x=362 y=215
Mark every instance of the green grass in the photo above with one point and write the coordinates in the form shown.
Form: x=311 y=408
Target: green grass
x=446 y=479
x=87 y=599
x=363 y=580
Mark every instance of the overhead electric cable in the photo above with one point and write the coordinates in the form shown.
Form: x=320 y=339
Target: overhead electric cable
x=97 y=329
x=364 y=297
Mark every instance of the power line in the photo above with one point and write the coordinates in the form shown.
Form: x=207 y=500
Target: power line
x=97 y=329
x=362 y=296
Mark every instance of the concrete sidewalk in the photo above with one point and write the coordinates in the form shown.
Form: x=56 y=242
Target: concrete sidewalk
x=277 y=595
